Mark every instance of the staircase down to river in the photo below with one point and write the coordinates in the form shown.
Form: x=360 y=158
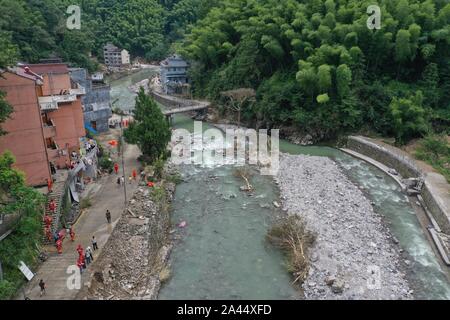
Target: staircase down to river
x=57 y=194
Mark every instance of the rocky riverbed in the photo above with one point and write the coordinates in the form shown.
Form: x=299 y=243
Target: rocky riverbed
x=354 y=256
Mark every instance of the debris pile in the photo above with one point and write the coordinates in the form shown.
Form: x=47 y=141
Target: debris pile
x=134 y=258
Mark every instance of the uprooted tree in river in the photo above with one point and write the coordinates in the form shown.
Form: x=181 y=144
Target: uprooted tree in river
x=291 y=235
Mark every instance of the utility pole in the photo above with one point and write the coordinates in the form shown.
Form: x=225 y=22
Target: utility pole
x=1 y=272
x=122 y=151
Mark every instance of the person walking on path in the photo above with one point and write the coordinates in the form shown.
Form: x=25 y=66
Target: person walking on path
x=108 y=216
x=88 y=256
x=134 y=174
x=49 y=185
x=42 y=286
x=94 y=243
x=116 y=168
x=122 y=180
x=91 y=255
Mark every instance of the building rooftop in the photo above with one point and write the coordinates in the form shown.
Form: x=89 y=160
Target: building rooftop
x=23 y=72
x=174 y=61
x=110 y=47
x=45 y=68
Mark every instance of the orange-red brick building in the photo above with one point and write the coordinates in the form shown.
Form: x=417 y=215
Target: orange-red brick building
x=47 y=122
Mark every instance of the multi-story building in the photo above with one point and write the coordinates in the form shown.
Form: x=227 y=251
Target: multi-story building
x=26 y=135
x=115 y=57
x=61 y=108
x=96 y=102
x=47 y=121
x=174 y=74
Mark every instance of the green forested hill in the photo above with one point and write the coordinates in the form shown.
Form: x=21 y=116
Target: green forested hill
x=145 y=27
x=317 y=66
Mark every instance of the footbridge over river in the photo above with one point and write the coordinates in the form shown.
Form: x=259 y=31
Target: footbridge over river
x=185 y=109
x=177 y=105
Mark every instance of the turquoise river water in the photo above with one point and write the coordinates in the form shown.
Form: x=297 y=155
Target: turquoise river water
x=223 y=253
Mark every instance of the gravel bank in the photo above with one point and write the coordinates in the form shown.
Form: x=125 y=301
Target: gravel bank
x=352 y=241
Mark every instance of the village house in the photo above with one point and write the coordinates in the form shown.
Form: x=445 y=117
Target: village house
x=115 y=57
x=174 y=77
x=61 y=108
x=96 y=102
x=47 y=120
x=26 y=135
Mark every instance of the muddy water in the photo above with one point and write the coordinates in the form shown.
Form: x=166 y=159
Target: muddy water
x=222 y=253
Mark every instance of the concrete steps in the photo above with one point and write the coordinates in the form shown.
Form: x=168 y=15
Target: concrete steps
x=57 y=194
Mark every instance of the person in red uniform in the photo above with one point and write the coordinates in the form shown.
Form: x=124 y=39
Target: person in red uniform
x=72 y=234
x=49 y=185
x=134 y=173
x=52 y=206
x=116 y=168
x=59 y=246
x=48 y=225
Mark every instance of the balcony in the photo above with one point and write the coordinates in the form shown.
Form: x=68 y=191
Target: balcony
x=53 y=150
x=49 y=130
x=50 y=103
x=77 y=90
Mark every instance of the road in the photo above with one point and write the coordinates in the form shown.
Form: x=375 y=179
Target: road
x=106 y=195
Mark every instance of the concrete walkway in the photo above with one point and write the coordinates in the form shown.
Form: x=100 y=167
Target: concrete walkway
x=107 y=195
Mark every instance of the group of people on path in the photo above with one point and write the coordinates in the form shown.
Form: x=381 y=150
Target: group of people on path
x=121 y=180
x=86 y=257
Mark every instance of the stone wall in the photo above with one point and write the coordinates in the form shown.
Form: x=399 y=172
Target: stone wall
x=407 y=169
x=404 y=165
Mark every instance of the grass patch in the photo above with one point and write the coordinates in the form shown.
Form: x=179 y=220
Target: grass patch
x=85 y=203
x=292 y=237
x=435 y=150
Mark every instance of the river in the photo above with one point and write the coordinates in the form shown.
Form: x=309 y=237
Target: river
x=223 y=254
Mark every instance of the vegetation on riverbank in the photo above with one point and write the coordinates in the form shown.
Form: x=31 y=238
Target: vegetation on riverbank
x=435 y=150
x=317 y=67
x=291 y=235
x=23 y=243
x=149 y=129
x=146 y=28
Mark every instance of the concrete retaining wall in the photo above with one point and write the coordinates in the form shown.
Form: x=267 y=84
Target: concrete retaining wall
x=404 y=165
x=407 y=169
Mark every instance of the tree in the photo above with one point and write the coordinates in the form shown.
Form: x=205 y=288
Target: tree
x=8 y=51
x=149 y=130
x=8 y=56
x=24 y=207
x=343 y=80
x=403 y=50
x=237 y=99
x=408 y=117
x=324 y=78
x=430 y=81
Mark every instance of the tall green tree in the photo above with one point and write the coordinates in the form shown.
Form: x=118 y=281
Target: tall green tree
x=409 y=117
x=8 y=56
x=149 y=130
